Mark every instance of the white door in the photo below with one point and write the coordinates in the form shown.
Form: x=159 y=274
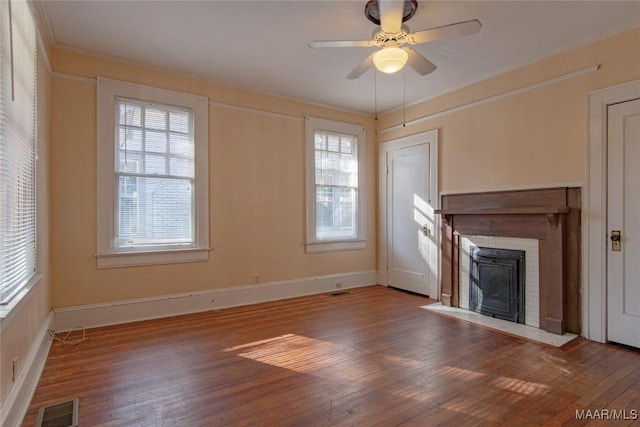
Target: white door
x=411 y=230
x=623 y=256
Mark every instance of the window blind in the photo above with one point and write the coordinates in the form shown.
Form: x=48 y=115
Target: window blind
x=155 y=173
x=18 y=61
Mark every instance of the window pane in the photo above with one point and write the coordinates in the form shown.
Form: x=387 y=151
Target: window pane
x=347 y=211
x=155 y=164
x=154 y=211
x=180 y=121
x=180 y=166
x=181 y=144
x=320 y=156
x=130 y=115
x=346 y=162
x=156 y=142
x=132 y=141
x=155 y=118
x=335 y=213
x=324 y=210
x=129 y=162
x=333 y=161
x=333 y=143
x=347 y=144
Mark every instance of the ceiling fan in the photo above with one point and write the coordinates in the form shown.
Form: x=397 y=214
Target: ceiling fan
x=392 y=35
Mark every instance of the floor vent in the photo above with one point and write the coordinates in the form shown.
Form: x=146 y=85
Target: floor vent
x=339 y=293
x=63 y=414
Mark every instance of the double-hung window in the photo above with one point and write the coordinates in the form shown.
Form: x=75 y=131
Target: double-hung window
x=152 y=175
x=335 y=185
x=18 y=88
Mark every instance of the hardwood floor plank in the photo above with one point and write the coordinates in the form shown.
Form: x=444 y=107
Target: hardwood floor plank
x=373 y=357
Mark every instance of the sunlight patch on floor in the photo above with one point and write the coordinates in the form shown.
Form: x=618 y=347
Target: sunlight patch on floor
x=461 y=373
x=322 y=358
x=515 y=385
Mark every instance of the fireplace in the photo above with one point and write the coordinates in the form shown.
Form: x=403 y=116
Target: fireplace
x=497 y=283
x=549 y=216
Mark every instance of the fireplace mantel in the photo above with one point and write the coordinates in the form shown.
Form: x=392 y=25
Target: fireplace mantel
x=550 y=212
x=552 y=216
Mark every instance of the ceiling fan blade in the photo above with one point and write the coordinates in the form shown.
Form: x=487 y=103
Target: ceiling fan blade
x=318 y=44
x=419 y=63
x=459 y=29
x=361 y=68
x=391 y=12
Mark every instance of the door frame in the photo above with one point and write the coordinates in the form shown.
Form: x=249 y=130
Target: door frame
x=594 y=212
x=430 y=137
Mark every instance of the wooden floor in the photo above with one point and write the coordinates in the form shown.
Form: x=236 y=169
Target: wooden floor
x=373 y=357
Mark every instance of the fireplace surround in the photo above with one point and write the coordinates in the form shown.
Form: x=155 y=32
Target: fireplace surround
x=552 y=216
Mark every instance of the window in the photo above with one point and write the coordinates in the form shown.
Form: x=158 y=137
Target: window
x=152 y=175
x=335 y=185
x=18 y=61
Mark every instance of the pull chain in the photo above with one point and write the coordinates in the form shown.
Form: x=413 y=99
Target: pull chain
x=404 y=97
x=375 y=93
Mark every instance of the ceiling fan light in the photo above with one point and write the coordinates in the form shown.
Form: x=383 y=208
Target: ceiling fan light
x=390 y=59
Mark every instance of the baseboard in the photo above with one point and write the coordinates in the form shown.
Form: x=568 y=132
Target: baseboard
x=19 y=398
x=90 y=316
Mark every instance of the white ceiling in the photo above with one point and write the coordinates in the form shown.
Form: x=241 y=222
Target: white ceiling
x=263 y=45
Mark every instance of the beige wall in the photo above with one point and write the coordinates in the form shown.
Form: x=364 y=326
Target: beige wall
x=19 y=331
x=257 y=204
x=535 y=138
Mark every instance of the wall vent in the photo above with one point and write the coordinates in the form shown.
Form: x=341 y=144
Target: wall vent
x=63 y=414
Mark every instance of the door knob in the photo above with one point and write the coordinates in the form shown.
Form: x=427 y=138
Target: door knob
x=426 y=230
x=615 y=240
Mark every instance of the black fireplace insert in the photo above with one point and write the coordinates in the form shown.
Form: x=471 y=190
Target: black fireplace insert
x=497 y=283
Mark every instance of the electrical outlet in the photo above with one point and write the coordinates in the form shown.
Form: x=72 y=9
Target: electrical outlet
x=338 y=284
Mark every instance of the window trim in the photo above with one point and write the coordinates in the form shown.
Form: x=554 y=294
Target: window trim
x=108 y=256
x=313 y=244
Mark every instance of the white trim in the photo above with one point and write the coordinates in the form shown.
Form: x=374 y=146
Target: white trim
x=594 y=211
x=338 y=245
x=43 y=51
x=256 y=111
x=491 y=98
x=312 y=243
x=130 y=259
x=106 y=220
x=43 y=12
x=15 y=406
x=93 y=80
x=94 y=315
x=430 y=137
x=65 y=76
x=16 y=303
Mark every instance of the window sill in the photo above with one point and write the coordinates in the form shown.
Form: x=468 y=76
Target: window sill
x=7 y=310
x=132 y=259
x=335 y=245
